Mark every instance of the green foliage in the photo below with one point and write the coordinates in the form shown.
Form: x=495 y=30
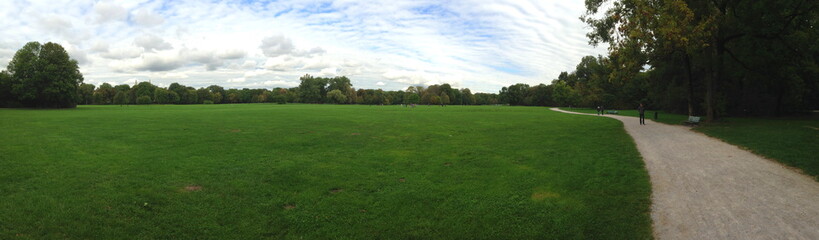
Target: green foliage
x=335 y=96
x=729 y=57
x=413 y=98
x=161 y=96
x=144 y=100
x=331 y=172
x=207 y=102
x=86 y=93
x=45 y=76
x=445 y=99
x=312 y=89
x=121 y=98
x=6 y=97
x=106 y=94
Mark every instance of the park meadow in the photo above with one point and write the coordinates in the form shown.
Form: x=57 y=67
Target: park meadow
x=318 y=171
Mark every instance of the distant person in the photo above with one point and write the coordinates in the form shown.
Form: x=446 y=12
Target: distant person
x=642 y=111
x=599 y=110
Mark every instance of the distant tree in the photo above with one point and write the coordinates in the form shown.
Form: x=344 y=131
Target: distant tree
x=106 y=93
x=214 y=89
x=144 y=89
x=216 y=97
x=339 y=83
x=412 y=98
x=121 y=98
x=445 y=98
x=144 y=100
x=45 y=76
x=202 y=95
x=352 y=97
x=312 y=89
x=6 y=99
x=232 y=97
x=467 y=97
x=435 y=100
x=86 y=93
x=122 y=88
x=335 y=96
x=161 y=96
x=190 y=97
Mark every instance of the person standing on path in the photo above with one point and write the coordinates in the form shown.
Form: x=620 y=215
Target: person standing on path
x=599 y=110
x=642 y=111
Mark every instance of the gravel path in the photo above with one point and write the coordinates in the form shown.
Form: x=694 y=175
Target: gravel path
x=703 y=188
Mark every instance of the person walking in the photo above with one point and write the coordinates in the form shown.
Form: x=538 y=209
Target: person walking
x=599 y=110
x=642 y=111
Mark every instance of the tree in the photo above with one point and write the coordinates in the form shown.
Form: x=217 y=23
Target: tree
x=312 y=89
x=515 y=94
x=121 y=98
x=161 y=96
x=412 y=98
x=335 y=96
x=445 y=98
x=45 y=76
x=6 y=98
x=217 y=91
x=191 y=96
x=86 y=93
x=106 y=93
x=145 y=99
x=143 y=89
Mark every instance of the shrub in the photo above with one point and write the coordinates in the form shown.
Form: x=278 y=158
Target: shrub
x=208 y=102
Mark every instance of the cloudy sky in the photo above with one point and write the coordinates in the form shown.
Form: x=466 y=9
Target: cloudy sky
x=481 y=45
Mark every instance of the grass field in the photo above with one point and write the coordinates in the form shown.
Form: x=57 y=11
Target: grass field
x=790 y=140
x=318 y=171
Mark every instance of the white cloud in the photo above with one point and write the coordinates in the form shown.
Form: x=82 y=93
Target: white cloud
x=277 y=45
x=380 y=84
x=328 y=72
x=120 y=53
x=155 y=63
x=205 y=57
x=256 y=73
x=147 y=18
x=236 y=80
x=151 y=43
x=110 y=12
x=232 y=54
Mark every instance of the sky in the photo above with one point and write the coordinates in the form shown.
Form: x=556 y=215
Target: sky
x=480 y=45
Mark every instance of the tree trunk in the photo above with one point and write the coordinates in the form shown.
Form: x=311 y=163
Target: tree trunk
x=690 y=85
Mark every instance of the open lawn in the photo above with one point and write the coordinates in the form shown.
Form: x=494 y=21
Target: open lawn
x=318 y=171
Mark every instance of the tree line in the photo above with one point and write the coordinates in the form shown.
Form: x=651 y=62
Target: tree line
x=335 y=90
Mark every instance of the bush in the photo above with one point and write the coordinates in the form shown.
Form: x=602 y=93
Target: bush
x=208 y=102
x=144 y=100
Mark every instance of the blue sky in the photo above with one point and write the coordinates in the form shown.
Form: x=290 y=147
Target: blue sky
x=481 y=45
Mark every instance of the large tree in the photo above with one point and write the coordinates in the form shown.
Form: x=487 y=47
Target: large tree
x=733 y=46
x=43 y=75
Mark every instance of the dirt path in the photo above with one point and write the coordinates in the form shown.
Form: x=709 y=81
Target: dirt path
x=703 y=188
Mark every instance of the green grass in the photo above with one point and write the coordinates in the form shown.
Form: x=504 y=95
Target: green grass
x=792 y=141
x=663 y=117
x=318 y=172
